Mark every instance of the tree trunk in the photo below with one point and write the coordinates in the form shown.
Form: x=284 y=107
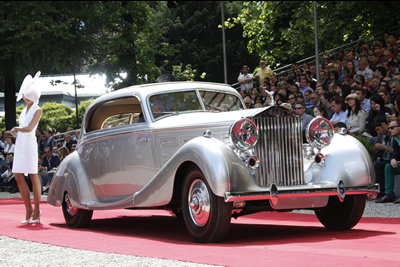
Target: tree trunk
x=9 y=93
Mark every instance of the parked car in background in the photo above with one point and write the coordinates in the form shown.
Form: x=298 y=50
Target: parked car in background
x=193 y=148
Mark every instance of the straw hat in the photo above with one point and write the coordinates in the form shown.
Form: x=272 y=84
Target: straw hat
x=29 y=89
x=353 y=96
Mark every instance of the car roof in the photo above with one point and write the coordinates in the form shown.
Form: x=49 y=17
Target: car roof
x=142 y=91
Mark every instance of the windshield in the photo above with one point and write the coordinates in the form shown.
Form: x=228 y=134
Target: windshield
x=220 y=101
x=173 y=103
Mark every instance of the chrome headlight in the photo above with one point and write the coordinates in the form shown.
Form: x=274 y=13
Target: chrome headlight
x=319 y=132
x=243 y=134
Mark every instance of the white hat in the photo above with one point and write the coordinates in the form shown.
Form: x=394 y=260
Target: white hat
x=29 y=89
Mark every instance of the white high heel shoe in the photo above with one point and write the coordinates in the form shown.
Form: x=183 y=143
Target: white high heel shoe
x=37 y=220
x=27 y=221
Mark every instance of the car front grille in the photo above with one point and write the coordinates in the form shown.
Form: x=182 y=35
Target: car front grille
x=280 y=151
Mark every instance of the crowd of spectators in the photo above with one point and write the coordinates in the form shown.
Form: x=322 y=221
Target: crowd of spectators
x=358 y=89
x=53 y=147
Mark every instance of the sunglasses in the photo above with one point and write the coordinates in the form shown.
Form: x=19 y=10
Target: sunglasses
x=291 y=98
x=392 y=127
x=298 y=108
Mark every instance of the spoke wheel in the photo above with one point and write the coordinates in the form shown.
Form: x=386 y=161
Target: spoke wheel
x=74 y=217
x=207 y=217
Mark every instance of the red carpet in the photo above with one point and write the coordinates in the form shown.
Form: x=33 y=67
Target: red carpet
x=281 y=239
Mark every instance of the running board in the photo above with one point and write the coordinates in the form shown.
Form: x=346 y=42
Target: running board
x=119 y=204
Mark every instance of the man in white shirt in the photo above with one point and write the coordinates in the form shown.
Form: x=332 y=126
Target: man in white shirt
x=245 y=79
x=364 y=70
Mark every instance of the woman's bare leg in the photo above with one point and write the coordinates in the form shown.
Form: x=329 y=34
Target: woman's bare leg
x=25 y=194
x=37 y=194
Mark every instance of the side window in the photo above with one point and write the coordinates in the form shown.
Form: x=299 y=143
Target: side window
x=115 y=113
x=220 y=101
x=117 y=120
x=174 y=102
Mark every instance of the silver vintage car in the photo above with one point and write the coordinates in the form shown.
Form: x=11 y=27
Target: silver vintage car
x=194 y=149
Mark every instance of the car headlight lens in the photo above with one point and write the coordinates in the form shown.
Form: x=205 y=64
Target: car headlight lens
x=319 y=132
x=244 y=134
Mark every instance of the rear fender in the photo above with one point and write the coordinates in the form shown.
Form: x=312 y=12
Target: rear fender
x=71 y=177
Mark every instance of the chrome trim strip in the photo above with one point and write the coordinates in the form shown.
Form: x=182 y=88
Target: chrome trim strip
x=297 y=193
x=96 y=205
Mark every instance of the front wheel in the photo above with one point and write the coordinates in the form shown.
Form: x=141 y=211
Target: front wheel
x=207 y=216
x=342 y=215
x=74 y=217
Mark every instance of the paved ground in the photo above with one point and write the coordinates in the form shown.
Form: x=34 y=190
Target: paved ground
x=37 y=254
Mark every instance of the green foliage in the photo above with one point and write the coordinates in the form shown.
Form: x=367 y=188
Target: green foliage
x=126 y=43
x=187 y=74
x=82 y=108
x=368 y=146
x=2 y=121
x=282 y=32
x=60 y=115
x=193 y=36
x=56 y=114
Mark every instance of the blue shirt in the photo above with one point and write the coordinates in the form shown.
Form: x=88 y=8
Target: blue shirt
x=366 y=105
x=305 y=88
x=309 y=104
x=342 y=117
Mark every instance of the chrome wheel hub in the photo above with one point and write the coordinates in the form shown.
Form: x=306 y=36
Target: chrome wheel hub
x=70 y=209
x=199 y=203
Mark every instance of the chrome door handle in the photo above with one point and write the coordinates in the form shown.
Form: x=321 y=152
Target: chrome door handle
x=143 y=139
x=165 y=142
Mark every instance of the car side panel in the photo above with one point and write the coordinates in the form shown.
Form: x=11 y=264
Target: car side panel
x=213 y=158
x=125 y=161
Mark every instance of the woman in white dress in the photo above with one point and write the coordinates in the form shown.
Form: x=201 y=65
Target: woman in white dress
x=25 y=154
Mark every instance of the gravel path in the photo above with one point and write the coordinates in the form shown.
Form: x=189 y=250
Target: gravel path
x=39 y=254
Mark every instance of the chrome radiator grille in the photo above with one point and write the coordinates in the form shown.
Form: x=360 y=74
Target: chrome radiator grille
x=280 y=151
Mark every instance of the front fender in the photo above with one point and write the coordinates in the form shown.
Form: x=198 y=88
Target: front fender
x=219 y=164
x=346 y=160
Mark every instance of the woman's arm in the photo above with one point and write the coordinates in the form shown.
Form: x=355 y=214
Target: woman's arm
x=33 y=123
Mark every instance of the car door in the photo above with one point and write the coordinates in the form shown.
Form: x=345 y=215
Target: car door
x=123 y=162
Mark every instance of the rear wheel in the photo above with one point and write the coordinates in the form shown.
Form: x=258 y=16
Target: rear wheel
x=207 y=216
x=342 y=215
x=74 y=217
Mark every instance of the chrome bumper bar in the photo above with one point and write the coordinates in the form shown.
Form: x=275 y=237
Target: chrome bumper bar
x=273 y=194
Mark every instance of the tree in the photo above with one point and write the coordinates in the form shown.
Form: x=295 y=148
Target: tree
x=282 y=32
x=53 y=37
x=126 y=44
x=56 y=114
x=194 y=36
x=82 y=108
